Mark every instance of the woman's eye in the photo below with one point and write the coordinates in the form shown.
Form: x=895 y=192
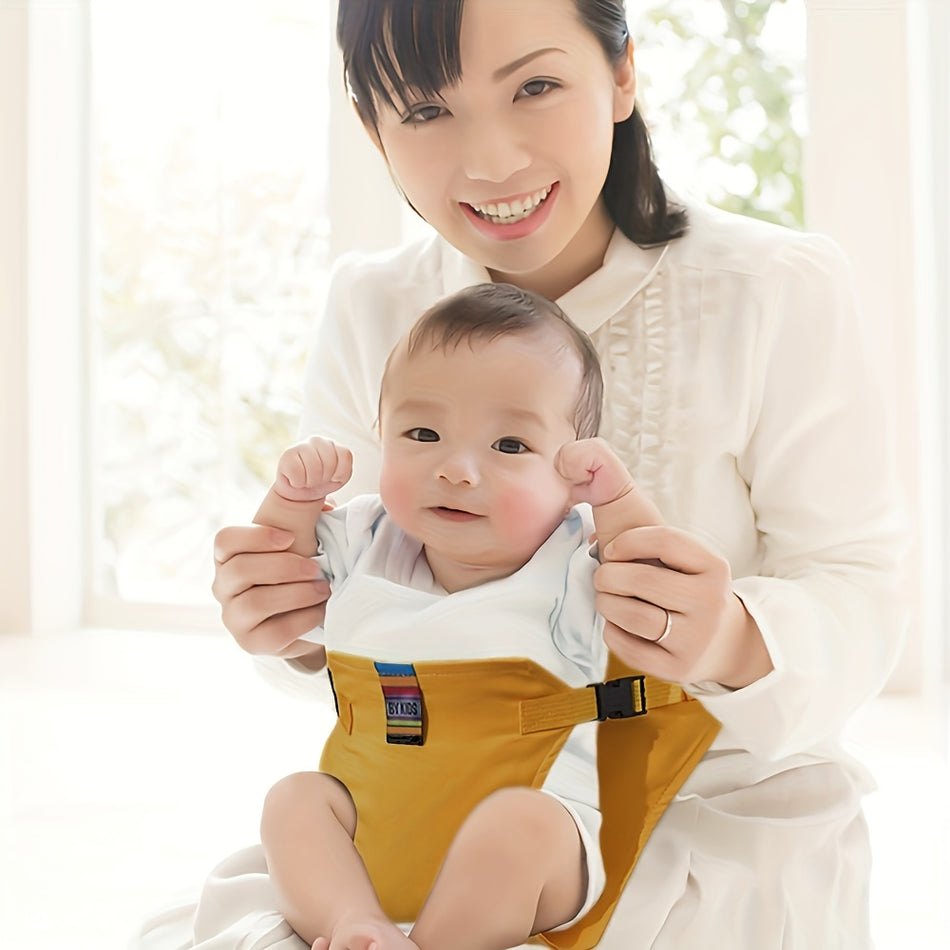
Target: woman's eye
x=420 y=114
x=421 y=434
x=535 y=87
x=510 y=446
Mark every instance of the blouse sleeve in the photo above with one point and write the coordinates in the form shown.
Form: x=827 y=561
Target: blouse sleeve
x=820 y=469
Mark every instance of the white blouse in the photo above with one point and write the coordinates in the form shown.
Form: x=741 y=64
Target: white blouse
x=741 y=395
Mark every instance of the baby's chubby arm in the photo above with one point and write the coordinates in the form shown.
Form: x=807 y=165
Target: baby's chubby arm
x=599 y=478
x=306 y=474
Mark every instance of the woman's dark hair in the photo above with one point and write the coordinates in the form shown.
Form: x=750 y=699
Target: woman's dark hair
x=484 y=312
x=390 y=46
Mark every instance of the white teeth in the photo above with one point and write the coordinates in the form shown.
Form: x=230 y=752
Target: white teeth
x=508 y=212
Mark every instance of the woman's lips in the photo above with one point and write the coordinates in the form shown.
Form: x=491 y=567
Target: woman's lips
x=511 y=210
x=517 y=221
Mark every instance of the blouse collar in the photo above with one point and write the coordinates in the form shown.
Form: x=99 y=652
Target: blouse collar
x=626 y=271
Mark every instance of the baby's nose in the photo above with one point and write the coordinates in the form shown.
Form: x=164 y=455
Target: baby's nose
x=459 y=468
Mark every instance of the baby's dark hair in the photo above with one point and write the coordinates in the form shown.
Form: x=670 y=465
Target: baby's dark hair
x=487 y=311
x=392 y=46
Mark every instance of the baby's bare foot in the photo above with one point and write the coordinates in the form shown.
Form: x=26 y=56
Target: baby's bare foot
x=366 y=934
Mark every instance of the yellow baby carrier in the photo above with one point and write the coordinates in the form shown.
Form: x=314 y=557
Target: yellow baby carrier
x=463 y=729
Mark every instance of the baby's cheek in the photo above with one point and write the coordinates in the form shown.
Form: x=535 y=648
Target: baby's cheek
x=394 y=490
x=527 y=517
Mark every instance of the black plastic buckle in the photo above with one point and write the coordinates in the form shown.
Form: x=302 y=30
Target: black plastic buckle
x=621 y=698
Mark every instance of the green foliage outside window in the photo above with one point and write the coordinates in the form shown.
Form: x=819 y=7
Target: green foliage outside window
x=734 y=101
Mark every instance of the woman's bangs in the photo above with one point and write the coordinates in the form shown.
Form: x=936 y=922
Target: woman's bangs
x=409 y=50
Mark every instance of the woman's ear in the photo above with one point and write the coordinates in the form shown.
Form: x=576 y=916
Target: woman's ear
x=625 y=80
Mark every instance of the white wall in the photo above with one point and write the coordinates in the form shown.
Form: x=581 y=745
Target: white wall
x=866 y=159
x=14 y=573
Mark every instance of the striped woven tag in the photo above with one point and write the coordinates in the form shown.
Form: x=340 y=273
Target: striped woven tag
x=403 y=699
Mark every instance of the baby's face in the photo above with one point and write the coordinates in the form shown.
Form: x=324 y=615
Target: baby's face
x=469 y=437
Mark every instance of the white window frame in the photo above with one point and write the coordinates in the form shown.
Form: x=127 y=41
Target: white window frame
x=859 y=48
x=41 y=178
x=358 y=190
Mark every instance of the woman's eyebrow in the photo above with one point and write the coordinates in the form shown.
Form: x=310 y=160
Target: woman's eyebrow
x=504 y=71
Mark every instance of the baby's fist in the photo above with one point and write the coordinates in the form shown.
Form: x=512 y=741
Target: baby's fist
x=595 y=473
x=311 y=470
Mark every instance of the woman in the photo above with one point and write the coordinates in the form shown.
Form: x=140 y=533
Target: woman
x=737 y=393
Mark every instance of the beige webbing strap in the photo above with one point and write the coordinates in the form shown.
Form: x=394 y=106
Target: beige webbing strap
x=570 y=707
x=641 y=764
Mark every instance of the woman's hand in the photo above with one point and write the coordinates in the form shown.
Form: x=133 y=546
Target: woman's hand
x=655 y=574
x=269 y=597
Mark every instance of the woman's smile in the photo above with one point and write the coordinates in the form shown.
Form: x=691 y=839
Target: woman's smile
x=510 y=210
x=511 y=220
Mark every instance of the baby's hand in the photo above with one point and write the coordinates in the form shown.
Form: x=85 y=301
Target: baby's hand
x=312 y=470
x=595 y=473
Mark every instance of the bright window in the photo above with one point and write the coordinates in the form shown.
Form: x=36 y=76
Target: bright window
x=209 y=186
x=212 y=221
x=723 y=91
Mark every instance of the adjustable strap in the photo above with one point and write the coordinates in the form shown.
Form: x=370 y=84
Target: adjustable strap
x=640 y=766
x=620 y=698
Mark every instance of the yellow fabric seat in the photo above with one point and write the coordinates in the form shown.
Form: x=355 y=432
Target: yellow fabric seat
x=498 y=723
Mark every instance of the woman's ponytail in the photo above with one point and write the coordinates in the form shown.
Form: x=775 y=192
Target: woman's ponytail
x=634 y=192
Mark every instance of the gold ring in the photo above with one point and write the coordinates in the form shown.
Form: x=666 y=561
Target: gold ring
x=667 y=628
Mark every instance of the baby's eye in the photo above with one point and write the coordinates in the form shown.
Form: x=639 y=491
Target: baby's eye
x=422 y=113
x=510 y=446
x=536 y=87
x=422 y=434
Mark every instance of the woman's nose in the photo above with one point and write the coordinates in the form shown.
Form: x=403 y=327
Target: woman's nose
x=493 y=151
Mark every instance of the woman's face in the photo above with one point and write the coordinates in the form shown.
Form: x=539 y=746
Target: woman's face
x=509 y=163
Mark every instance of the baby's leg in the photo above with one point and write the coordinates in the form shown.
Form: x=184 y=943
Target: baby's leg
x=307 y=830
x=516 y=867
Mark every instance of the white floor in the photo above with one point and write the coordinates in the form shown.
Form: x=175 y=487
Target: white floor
x=131 y=762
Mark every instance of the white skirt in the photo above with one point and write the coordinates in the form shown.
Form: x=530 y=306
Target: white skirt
x=783 y=864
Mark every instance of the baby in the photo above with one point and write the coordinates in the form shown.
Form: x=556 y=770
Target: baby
x=467 y=581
